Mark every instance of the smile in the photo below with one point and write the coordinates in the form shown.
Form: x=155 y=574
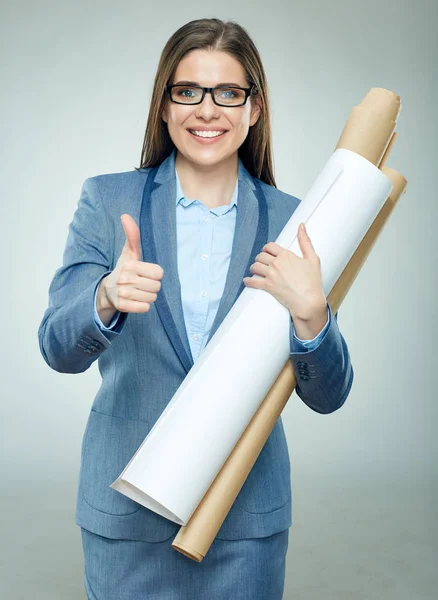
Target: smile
x=206 y=134
x=206 y=137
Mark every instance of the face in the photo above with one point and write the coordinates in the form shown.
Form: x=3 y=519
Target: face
x=209 y=69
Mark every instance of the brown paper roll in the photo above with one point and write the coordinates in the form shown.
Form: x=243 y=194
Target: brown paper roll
x=370 y=125
x=349 y=274
x=387 y=151
x=196 y=537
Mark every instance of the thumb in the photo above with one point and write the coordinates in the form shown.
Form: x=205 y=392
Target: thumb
x=132 y=233
x=306 y=246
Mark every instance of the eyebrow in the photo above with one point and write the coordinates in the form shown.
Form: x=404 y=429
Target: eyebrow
x=196 y=83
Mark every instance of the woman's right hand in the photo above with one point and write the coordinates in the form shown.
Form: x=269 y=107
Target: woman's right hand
x=133 y=284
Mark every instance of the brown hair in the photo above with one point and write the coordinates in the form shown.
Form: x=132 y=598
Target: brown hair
x=225 y=36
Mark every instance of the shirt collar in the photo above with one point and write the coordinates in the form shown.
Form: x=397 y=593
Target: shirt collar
x=180 y=195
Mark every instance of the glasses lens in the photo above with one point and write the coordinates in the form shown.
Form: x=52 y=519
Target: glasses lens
x=186 y=94
x=229 y=96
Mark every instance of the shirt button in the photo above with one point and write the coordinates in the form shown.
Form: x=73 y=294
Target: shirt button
x=204 y=256
x=196 y=337
x=207 y=219
x=203 y=293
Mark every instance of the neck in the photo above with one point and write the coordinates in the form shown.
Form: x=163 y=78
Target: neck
x=213 y=185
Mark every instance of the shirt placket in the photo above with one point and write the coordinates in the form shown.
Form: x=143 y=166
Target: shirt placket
x=200 y=313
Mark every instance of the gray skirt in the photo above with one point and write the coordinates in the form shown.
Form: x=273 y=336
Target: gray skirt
x=248 y=569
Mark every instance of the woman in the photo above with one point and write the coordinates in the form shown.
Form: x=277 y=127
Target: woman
x=178 y=239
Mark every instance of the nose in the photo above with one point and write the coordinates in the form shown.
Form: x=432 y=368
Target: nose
x=207 y=109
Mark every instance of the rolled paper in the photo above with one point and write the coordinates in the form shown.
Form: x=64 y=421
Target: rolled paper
x=194 y=435
x=195 y=539
x=387 y=151
x=201 y=464
x=356 y=262
x=371 y=124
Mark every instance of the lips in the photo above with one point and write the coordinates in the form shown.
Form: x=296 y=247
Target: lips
x=207 y=129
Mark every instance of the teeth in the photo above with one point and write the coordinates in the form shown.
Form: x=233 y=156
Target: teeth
x=207 y=133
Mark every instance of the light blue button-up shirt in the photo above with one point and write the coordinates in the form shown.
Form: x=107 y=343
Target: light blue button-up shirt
x=204 y=243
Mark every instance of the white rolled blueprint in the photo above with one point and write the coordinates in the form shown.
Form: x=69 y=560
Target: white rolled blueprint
x=193 y=437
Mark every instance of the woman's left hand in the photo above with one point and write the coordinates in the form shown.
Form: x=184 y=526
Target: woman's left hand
x=294 y=281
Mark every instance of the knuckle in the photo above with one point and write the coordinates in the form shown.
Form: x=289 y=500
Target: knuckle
x=125 y=276
x=122 y=278
x=122 y=305
x=127 y=293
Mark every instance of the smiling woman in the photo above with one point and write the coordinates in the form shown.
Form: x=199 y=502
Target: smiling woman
x=177 y=238
x=209 y=125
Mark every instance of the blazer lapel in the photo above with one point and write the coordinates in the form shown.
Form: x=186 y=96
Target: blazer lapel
x=159 y=245
x=250 y=235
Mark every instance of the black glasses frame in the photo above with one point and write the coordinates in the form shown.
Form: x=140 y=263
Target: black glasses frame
x=252 y=90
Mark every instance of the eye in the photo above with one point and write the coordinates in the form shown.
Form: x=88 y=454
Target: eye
x=185 y=92
x=228 y=94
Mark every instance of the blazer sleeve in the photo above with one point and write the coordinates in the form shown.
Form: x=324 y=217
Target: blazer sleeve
x=324 y=374
x=307 y=344
x=69 y=338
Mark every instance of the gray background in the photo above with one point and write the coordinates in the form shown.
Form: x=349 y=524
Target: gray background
x=76 y=82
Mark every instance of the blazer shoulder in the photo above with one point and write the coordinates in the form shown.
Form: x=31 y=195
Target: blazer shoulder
x=110 y=188
x=117 y=192
x=121 y=179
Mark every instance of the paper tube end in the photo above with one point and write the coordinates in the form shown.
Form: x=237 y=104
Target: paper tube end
x=187 y=552
x=383 y=101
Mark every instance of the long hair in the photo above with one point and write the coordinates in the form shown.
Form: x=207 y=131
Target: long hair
x=225 y=36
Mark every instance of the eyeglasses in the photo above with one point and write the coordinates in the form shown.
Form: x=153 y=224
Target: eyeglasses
x=221 y=95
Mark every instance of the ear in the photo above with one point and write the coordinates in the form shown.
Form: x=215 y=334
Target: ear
x=164 y=114
x=255 y=110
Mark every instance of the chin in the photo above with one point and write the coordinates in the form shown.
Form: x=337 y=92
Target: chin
x=206 y=156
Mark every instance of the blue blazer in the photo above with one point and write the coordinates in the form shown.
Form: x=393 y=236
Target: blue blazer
x=145 y=359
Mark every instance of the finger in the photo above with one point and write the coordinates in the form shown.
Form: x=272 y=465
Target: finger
x=141 y=275
x=259 y=268
x=146 y=284
x=134 y=294
x=132 y=306
x=132 y=233
x=255 y=282
x=150 y=270
x=273 y=248
x=305 y=243
x=264 y=258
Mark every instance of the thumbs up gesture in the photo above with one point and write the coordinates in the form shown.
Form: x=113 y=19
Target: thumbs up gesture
x=133 y=284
